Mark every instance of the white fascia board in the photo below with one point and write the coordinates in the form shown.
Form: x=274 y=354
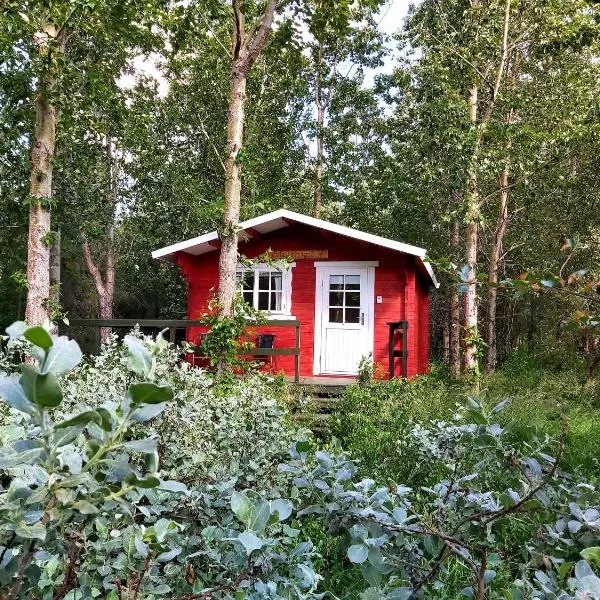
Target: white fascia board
x=182 y=246
x=429 y=270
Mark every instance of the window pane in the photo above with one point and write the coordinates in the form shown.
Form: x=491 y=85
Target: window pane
x=352 y=298
x=248 y=297
x=276 y=279
x=248 y=280
x=336 y=315
x=263 y=281
x=353 y=282
x=352 y=315
x=276 y=301
x=336 y=282
x=263 y=300
x=336 y=298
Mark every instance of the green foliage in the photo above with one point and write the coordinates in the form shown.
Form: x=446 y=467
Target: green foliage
x=233 y=429
x=499 y=520
x=60 y=473
x=226 y=338
x=89 y=509
x=372 y=421
x=545 y=386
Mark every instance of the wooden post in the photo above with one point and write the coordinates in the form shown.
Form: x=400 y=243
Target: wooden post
x=391 y=349
x=401 y=326
x=297 y=356
x=405 y=350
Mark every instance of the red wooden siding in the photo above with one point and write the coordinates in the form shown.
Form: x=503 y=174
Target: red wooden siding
x=404 y=295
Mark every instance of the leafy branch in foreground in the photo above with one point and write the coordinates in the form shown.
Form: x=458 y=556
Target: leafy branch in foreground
x=407 y=541
x=62 y=471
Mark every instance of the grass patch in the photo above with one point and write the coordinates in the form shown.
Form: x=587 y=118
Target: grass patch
x=371 y=420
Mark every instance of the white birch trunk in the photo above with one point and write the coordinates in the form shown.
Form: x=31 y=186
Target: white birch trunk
x=40 y=190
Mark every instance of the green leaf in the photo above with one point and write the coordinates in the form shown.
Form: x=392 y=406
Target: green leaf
x=81 y=419
x=241 y=506
x=31 y=532
x=41 y=389
x=38 y=336
x=173 y=486
x=27 y=457
x=141 y=547
x=170 y=555
x=358 y=553
x=63 y=357
x=66 y=435
x=147 y=483
x=147 y=446
x=150 y=393
x=14 y=395
x=146 y=412
x=259 y=515
x=250 y=542
x=302 y=446
x=592 y=554
x=105 y=419
x=282 y=507
x=85 y=507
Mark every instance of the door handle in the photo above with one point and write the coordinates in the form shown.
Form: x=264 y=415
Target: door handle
x=362 y=318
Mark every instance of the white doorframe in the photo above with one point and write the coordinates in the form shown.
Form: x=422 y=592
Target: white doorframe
x=344 y=267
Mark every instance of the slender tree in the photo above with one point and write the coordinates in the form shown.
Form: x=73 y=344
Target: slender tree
x=49 y=43
x=247 y=45
x=104 y=283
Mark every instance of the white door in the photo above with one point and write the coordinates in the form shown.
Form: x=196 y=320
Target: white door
x=344 y=318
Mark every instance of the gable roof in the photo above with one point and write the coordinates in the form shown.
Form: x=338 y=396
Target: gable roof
x=279 y=219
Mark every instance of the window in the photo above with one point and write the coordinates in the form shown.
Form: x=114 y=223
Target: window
x=344 y=298
x=266 y=288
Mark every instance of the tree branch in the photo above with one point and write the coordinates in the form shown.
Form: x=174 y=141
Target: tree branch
x=258 y=39
x=239 y=27
x=92 y=266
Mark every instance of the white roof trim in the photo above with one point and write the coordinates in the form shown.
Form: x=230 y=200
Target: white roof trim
x=202 y=243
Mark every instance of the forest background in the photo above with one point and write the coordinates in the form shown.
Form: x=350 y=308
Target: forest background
x=470 y=129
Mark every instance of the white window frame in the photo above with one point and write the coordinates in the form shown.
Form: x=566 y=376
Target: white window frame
x=286 y=287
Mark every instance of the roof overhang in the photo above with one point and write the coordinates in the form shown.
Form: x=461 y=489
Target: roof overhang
x=282 y=218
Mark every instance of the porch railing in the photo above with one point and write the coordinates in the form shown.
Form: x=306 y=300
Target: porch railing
x=174 y=324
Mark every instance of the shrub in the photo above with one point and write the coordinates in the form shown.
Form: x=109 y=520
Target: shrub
x=373 y=422
x=214 y=429
x=86 y=511
x=502 y=521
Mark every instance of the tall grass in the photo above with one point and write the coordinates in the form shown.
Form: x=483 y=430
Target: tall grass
x=543 y=390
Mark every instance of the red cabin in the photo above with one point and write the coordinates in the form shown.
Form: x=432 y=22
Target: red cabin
x=354 y=294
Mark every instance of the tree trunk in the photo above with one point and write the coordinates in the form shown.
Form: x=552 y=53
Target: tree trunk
x=105 y=287
x=246 y=49
x=470 y=312
x=473 y=207
x=54 y=272
x=454 y=334
x=40 y=190
x=55 y=268
x=491 y=357
x=320 y=105
x=233 y=187
x=446 y=340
